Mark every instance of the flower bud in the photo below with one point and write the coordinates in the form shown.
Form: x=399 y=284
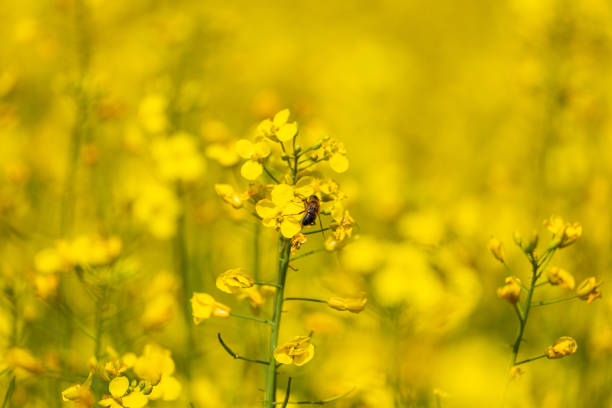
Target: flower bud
x=561 y=277
x=353 y=305
x=533 y=243
x=563 y=346
x=511 y=291
x=589 y=289
x=497 y=249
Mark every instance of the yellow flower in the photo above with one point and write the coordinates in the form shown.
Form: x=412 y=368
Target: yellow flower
x=497 y=249
x=50 y=260
x=80 y=395
x=17 y=358
x=298 y=351
x=224 y=153
x=233 y=280
x=254 y=153
x=282 y=210
x=334 y=151
x=230 y=196
x=46 y=285
x=589 y=289
x=516 y=372
x=205 y=306
x=177 y=158
x=561 y=277
x=343 y=226
x=297 y=241
x=156 y=367
x=354 y=305
x=157 y=207
x=564 y=233
x=278 y=129
x=154 y=363
x=511 y=291
x=563 y=346
x=120 y=398
x=115 y=368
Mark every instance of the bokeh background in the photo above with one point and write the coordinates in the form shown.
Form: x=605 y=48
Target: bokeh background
x=461 y=120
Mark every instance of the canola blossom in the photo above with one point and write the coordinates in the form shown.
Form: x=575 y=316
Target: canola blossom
x=277 y=204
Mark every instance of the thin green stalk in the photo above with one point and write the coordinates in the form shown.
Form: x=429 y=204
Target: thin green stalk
x=181 y=261
x=246 y=317
x=523 y=321
x=283 y=264
x=531 y=359
x=99 y=322
x=550 y=302
x=306 y=299
x=256 y=234
x=305 y=254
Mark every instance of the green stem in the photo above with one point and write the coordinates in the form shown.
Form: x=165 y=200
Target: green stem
x=314 y=251
x=550 y=302
x=181 y=264
x=306 y=299
x=256 y=234
x=99 y=322
x=523 y=321
x=255 y=319
x=270 y=174
x=530 y=359
x=284 y=252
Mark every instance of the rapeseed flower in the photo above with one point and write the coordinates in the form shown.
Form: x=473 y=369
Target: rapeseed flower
x=298 y=351
x=204 y=307
x=563 y=346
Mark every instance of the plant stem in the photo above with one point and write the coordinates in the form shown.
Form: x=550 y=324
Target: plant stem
x=550 y=302
x=305 y=254
x=284 y=250
x=531 y=359
x=306 y=299
x=181 y=263
x=255 y=319
x=523 y=321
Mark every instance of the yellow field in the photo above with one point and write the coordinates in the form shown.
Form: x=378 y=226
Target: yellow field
x=256 y=204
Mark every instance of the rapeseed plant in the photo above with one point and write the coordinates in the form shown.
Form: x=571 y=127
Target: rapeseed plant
x=292 y=203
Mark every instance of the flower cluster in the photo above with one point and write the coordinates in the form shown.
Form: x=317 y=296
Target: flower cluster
x=564 y=234
x=132 y=380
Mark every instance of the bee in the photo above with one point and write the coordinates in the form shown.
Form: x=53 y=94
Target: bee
x=312 y=207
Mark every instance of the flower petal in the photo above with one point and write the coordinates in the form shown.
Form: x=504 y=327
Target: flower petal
x=339 y=163
x=119 y=386
x=287 y=132
x=245 y=148
x=266 y=208
x=281 y=118
x=251 y=169
x=289 y=227
x=281 y=195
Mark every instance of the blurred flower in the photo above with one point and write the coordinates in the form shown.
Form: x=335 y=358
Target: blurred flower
x=511 y=291
x=298 y=351
x=564 y=233
x=342 y=228
x=152 y=113
x=156 y=366
x=80 y=395
x=497 y=249
x=157 y=207
x=224 y=153
x=354 y=305
x=205 y=306
x=254 y=153
x=233 y=280
x=563 y=346
x=177 y=158
x=278 y=129
x=17 y=358
x=589 y=289
x=230 y=196
x=561 y=277
x=516 y=372
x=46 y=285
